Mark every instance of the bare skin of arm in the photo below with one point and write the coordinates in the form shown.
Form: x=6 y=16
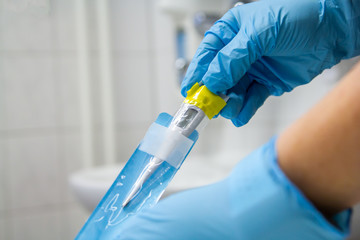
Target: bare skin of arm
x=320 y=152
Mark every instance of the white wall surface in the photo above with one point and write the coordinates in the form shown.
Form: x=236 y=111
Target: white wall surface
x=39 y=105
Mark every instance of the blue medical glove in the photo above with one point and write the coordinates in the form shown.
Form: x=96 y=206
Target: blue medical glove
x=269 y=47
x=256 y=201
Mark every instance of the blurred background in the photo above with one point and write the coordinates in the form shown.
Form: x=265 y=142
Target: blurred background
x=80 y=83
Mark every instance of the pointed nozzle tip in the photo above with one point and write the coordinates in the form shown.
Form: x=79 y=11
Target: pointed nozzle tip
x=127 y=200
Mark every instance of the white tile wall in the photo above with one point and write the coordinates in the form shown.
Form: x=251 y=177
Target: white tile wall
x=32 y=172
x=134 y=88
x=98 y=146
x=64 y=28
x=67 y=87
x=70 y=157
x=2 y=227
x=74 y=217
x=49 y=223
x=130 y=25
x=95 y=88
x=3 y=180
x=2 y=101
x=30 y=26
x=5 y=230
x=38 y=224
x=92 y=23
x=28 y=86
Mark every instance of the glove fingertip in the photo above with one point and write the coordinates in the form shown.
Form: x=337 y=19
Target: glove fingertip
x=184 y=91
x=186 y=84
x=233 y=105
x=240 y=121
x=232 y=108
x=227 y=113
x=255 y=97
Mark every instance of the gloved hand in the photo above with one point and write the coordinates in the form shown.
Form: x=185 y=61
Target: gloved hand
x=256 y=201
x=271 y=46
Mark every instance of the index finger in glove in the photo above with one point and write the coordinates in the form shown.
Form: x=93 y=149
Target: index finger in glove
x=219 y=35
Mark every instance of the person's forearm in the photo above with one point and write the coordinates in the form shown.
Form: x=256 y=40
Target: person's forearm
x=320 y=152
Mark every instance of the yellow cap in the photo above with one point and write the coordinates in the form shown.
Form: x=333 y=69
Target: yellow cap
x=207 y=101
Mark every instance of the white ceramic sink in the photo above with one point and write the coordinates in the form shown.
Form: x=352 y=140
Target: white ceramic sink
x=90 y=185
